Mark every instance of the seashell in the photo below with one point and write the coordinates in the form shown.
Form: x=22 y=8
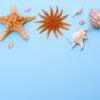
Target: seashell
x=10 y=45
x=27 y=9
x=81 y=22
x=77 y=11
x=95 y=17
x=78 y=37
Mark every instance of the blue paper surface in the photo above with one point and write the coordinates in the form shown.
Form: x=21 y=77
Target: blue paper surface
x=48 y=69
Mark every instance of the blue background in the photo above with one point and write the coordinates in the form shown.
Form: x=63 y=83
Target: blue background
x=41 y=69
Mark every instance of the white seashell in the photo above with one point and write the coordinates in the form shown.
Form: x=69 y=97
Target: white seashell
x=78 y=37
x=77 y=11
x=27 y=9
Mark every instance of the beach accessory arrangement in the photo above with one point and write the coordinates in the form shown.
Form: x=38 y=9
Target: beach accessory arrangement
x=52 y=21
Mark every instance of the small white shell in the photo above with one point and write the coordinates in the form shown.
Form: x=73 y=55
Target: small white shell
x=77 y=11
x=27 y=9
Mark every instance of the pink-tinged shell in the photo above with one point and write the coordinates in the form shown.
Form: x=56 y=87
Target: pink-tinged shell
x=95 y=17
x=10 y=45
x=81 y=22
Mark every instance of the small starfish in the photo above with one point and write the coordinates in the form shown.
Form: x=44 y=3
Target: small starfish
x=14 y=22
x=53 y=21
x=78 y=37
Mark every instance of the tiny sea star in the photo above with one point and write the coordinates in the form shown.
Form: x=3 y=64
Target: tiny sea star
x=52 y=21
x=14 y=22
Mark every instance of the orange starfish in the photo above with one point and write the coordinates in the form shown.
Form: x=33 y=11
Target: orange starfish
x=52 y=22
x=14 y=22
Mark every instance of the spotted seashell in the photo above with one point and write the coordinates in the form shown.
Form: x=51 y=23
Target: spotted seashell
x=95 y=17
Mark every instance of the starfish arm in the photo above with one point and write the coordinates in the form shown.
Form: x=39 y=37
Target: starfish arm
x=45 y=13
x=55 y=33
x=56 y=11
x=40 y=21
x=48 y=33
x=51 y=11
x=5 y=33
x=58 y=30
x=60 y=14
x=43 y=29
x=66 y=24
x=13 y=9
x=42 y=16
x=26 y=19
x=62 y=26
x=41 y=26
x=3 y=19
x=22 y=33
x=63 y=17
